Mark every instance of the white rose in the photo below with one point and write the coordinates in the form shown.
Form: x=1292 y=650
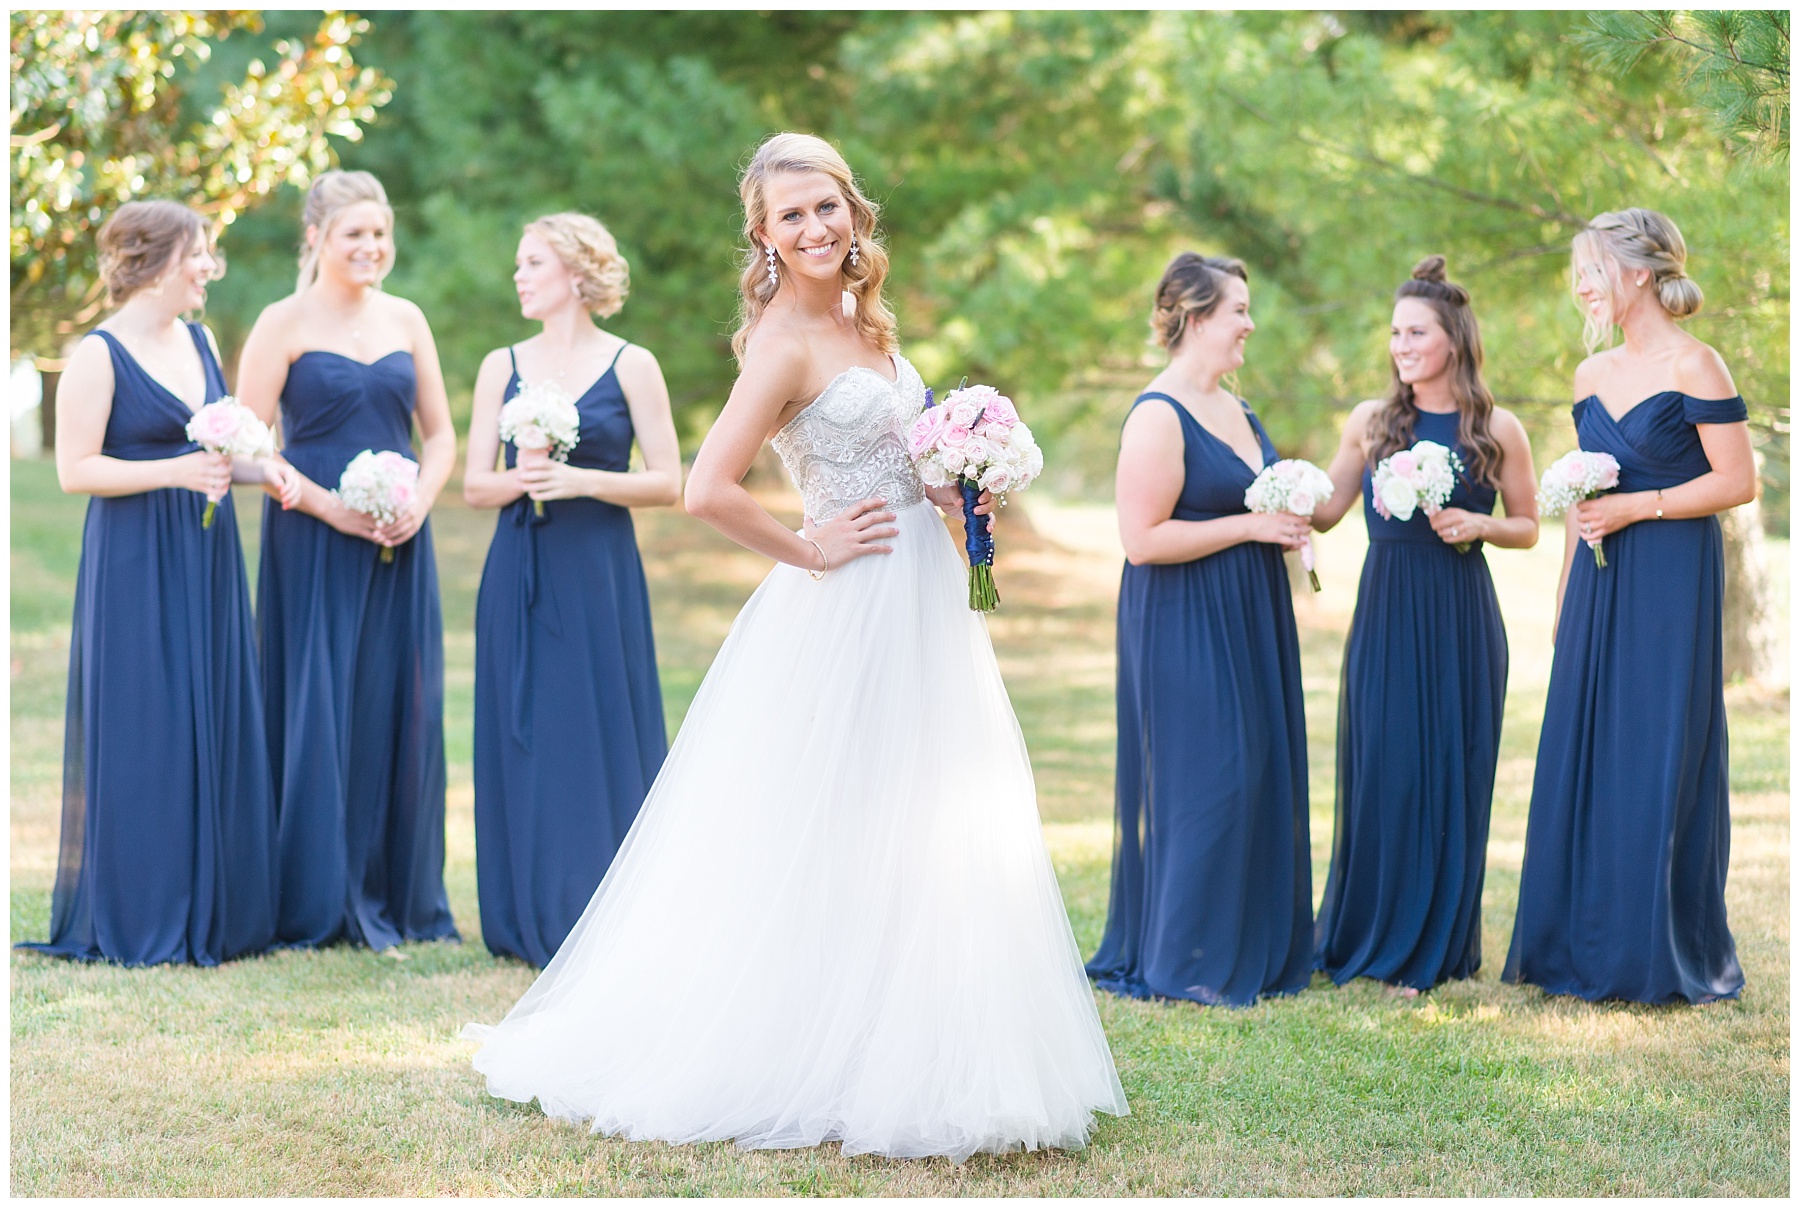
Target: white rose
x=954 y=460
x=978 y=451
x=965 y=412
x=1398 y=495
x=933 y=474
x=998 y=479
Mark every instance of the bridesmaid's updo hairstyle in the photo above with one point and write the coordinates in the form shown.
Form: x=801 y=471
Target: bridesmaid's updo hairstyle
x=588 y=250
x=1627 y=241
x=1192 y=285
x=331 y=194
x=1391 y=430
x=139 y=241
x=781 y=153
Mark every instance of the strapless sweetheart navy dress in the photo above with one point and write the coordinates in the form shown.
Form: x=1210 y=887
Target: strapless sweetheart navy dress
x=1212 y=874
x=568 y=709
x=353 y=667
x=1622 y=894
x=1422 y=698
x=168 y=825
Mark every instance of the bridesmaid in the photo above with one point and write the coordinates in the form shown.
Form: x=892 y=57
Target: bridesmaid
x=1623 y=890
x=1212 y=876
x=568 y=711
x=1424 y=682
x=352 y=648
x=168 y=827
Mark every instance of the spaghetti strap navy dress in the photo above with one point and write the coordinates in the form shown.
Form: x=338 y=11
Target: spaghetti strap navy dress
x=569 y=729
x=1422 y=698
x=1622 y=894
x=353 y=671
x=1212 y=874
x=168 y=824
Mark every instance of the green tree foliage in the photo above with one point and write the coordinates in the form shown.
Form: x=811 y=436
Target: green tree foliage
x=101 y=115
x=1735 y=63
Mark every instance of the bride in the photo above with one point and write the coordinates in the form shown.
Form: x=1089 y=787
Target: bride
x=834 y=918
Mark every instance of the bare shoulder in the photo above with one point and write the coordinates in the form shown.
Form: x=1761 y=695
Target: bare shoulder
x=1592 y=371
x=495 y=361
x=1700 y=372
x=778 y=356
x=1153 y=419
x=279 y=315
x=92 y=360
x=1361 y=416
x=403 y=309
x=1506 y=426
x=636 y=359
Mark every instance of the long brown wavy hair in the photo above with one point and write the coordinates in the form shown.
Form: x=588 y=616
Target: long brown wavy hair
x=1392 y=428
x=804 y=153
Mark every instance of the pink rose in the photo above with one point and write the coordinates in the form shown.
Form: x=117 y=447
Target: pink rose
x=1404 y=463
x=926 y=430
x=1001 y=411
x=954 y=436
x=1302 y=503
x=214 y=426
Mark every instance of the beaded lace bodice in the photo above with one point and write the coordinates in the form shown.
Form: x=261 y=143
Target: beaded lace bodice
x=850 y=442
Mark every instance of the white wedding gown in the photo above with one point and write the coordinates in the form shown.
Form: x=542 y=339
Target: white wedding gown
x=834 y=918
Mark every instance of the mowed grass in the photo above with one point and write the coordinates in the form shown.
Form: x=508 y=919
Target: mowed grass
x=340 y=1073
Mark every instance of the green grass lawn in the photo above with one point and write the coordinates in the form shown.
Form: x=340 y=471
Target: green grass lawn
x=340 y=1072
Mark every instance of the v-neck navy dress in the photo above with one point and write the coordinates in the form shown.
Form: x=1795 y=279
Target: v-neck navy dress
x=1622 y=894
x=1418 y=739
x=1212 y=873
x=168 y=825
x=568 y=710
x=353 y=667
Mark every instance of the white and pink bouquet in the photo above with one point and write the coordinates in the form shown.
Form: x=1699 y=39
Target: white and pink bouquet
x=541 y=420
x=1574 y=477
x=1296 y=487
x=974 y=438
x=227 y=426
x=1419 y=479
x=383 y=485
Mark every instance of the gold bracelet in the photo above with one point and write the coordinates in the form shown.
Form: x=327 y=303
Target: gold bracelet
x=820 y=573
x=1659 y=514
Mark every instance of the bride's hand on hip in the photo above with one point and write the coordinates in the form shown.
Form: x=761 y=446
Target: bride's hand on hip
x=949 y=500
x=856 y=531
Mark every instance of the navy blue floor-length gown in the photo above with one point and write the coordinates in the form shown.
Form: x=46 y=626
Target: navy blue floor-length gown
x=168 y=825
x=1212 y=875
x=1423 y=695
x=353 y=668
x=1622 y=894
x=568 y=709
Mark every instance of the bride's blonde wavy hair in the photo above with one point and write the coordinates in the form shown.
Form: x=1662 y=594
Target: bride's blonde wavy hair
x=789 y=152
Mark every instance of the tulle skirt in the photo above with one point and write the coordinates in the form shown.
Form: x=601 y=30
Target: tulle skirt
x=834 y=918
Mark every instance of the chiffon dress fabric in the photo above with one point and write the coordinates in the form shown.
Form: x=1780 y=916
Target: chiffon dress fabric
x=168 y=822
x=353 y=671
x=1622 y=894
x=568 y=710
x=1418 y=739
x=1212 y=869
x=834 y=918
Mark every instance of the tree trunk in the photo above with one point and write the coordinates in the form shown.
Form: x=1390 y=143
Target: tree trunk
x=47 y=411
x=1750 y=636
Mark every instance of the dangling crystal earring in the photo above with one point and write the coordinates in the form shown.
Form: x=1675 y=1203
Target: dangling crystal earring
x=774 y=277
x=853 y=251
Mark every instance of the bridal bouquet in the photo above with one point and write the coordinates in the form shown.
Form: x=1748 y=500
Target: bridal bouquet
x=383 y=485
x=1417 y=479
x=227 y=426
x=1574 y=477
x=1292 y=486
x=974 y=438
x=541 y=419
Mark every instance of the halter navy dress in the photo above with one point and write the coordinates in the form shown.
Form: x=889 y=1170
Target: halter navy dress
x=168 y=826
x=569 y=728
x=1212 y=875
x=353 y=667
x=1622 y=894
x=1422 y=698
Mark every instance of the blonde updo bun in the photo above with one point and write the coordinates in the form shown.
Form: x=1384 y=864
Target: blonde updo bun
x=588 y=250
x=139 y=241
x=1637 y=239
x=1192 y=285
